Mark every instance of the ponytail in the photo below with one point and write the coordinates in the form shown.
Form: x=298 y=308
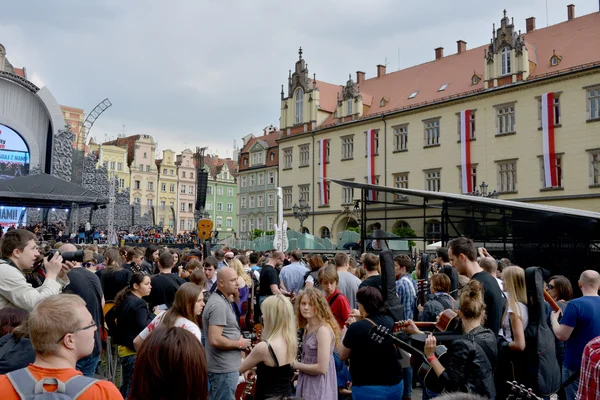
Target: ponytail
x=136 y=278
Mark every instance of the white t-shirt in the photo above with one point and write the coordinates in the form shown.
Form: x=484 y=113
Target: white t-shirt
x=180 y=323
x=505 y=330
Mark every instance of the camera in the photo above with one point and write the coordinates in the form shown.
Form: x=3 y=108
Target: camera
x=73 y=256
x=249 y=335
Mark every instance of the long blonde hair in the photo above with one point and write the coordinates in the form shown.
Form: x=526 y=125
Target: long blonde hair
x=278 y=316
x=514 y=284
x=322 y=311
x=239 y=270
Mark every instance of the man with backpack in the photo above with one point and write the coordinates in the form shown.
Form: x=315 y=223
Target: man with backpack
x=62 y=331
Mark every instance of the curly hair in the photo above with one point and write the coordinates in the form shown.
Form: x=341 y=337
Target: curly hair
x=322 y=311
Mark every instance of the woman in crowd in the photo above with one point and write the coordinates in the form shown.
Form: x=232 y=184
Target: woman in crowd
x=375 y=368
x=176 y=260
x=560 y=289
x=171 y=364
x=135 y=258
x=438 y=300
x=311 y=279
x=469 y=364
x=317 y=378
x=274 y=356
x=150 y=259
x=127 y=319
x=244 y=285
x=198 y=278
x=187 y=306
x=185 y=271
x=114 y=277
x=16 y=351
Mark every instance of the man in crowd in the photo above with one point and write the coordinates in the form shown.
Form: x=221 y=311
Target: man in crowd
x=463 y=256
x=269 y=277
x=254 y=257
x=371 y=265
x=446 y=268
x=210 y=271
x=292 y=275
x=62 y=331
x=490 y=266
x=589 y=384
x=379 y=241
x=579 y=325
x=86 y=285
x=19 y=251
x=220 y=256
x=348 y=283
x=224 y=338
x=164 y=284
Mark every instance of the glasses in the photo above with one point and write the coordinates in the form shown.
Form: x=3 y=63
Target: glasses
x=85 y=328
x=549 y=286
x=229 y=258
x=89 y=264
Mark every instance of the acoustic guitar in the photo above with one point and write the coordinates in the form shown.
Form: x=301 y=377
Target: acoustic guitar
x=521 y=392
x=550 y=300
x=205 y=227
x=246 y=389
x=428 y=375
x=447 y=321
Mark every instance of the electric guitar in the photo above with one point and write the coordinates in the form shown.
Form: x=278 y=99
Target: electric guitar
x=280 y=239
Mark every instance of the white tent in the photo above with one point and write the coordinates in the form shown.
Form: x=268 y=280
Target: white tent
x=433 y=246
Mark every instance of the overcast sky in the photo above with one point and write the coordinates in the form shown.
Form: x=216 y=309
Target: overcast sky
x=206 y=73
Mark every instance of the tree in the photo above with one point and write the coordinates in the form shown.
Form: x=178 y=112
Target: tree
x=406 y=232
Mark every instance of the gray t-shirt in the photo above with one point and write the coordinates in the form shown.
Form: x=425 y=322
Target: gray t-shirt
x=379 y=242
x=348 y=285
x=218 y=311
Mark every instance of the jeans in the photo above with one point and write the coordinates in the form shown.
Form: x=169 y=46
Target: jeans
x=127 y=364
x=87 y=366
x=571 y=390
x=223 y=385
x=407 y=378
x=393 y=392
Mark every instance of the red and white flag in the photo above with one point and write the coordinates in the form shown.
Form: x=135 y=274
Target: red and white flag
x=372 y=196
x=323 y=178
x=550 y=172
x=465 y=151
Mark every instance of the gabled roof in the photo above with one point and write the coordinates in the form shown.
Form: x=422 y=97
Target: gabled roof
x=328 y=95
x=215 y=166
x=270 y=141
x=20 y=72
x=128 y=141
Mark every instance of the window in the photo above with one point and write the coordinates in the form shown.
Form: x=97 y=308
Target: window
x=506 y=118
x=287 y=158
x=299 y=106
x=593 y=102
x=120 y=166
x=137 y=200
x=595 y=167
x=259 y=201
x=243 y=182
x=433 y=180
x=349 y=102
x=327 y=193
x=209 y=190
x=559 y=174
x=556 y=109
x=327 y=150
x=136 y=185
x=376 y=143
x=161 y=222
x=183 y=189
x=182 y=207
x=304 y=155
x=228 y=223
x=432 y=132
x=243 y=202
x=150 y=202
x=105 y=163
x=554 y=61
x=141 y=168
x=252 y=180
x=163 y=187
x=259 y=223
x=182 y=224
x=347 y=147
x=473 y=179
x=163 y=205
x=505 y=60
x=304 y=192
x=172 y=172
x=183 y=174
x=251 y=202
x=171 y=223
x=145 y=155
x=401 y=138
x=191 y=175
x=150 y=185
x=433 y=229
x=261 y=179
x=474 y=80
x=172 y=188
x=243 y=225
x=270 y=200
x=219 y=222
x=287 y=198
x=229 y=192
x=347 y=195
x=471 y=122
x=229 y=207
x=258 y=158
x=325 y=233
x=271 y=179
x=270 y=222
x=250 y=224
x=507 y=176
x=164 y=171
x=121 y=183
x=219 y=190
x=112 y=165
x=208 y=205
x=400 y=182
x=190 y=189
x=413 y=95
x=147 y=168
x=190 y=224
x=190 y=207
x=219 y=206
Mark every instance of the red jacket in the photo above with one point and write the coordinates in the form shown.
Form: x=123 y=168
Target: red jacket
x=340 y=307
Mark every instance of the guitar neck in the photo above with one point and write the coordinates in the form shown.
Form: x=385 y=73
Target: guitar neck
x=426 y=325
x=551 y=301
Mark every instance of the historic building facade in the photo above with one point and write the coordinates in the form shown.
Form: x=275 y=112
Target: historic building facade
x=186 y=200
x=257 y=182
x=74 y=117
x=221 y=194
x=167 y=190
x=114 y=159
x=412 y=118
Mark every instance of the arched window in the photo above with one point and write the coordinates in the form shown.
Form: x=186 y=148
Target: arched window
x=434 y=230
x=506 y=60
x=350 y=107
x=325 y=233
x=299 y=106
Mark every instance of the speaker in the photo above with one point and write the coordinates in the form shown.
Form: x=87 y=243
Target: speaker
x=202 y=183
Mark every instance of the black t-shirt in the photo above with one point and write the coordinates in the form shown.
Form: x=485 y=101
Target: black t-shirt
x=451 y=273
x=268 y=276
x=373 y=281
x=493 y=299
x=164 y=287
x=113 y=281
x=371 y=363
x=86 y=285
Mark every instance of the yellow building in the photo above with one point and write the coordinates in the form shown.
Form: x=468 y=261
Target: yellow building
x=167 y=190
x=114 y=158
x=415 y=114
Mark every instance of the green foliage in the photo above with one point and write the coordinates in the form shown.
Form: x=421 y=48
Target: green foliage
x=357 y=229
x=406 y=232
x=256 y=233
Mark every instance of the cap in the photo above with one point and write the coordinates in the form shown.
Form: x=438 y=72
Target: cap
x=229 y=254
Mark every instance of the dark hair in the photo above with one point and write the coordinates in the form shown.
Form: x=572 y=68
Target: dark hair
x=149 y=251
x=371 y=300
x=134 y=252
x=296 y=255
x=471 y=302
x=171 y=364
x=404 y=261
x=211 y=261
x=440 y=282
x=198 y=278
x=15 y=239
x=371 y=262
x=219 y=255
x=254 y=257
x=165 y=260
x=136 y=279
x=183 y=305
x=377 y=225
x=465 y=246
x=315 y=262
x=10 y=318
x=442 y=252
x=243 y=259
x=563 y=287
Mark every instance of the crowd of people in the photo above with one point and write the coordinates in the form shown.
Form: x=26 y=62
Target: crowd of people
x=198 y=325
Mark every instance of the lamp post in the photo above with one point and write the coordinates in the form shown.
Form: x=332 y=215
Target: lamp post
x=301 y=212
x=483 y=192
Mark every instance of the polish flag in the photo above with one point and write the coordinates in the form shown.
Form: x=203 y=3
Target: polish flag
x=323 y=178
x=372 y=196
x=550 y=172
x=465 y=151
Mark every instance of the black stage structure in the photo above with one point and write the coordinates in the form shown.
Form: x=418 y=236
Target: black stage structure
x=563 y=240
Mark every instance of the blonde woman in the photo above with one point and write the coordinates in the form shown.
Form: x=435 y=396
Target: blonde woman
x=244 y=285
x=317 y=379
x=274 y=356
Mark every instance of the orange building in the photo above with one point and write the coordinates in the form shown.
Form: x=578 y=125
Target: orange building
x=74 y=117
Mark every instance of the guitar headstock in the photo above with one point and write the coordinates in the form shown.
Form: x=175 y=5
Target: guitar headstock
x=521 y=392
x=399 y=327
x=379 y=333
x=258 y=328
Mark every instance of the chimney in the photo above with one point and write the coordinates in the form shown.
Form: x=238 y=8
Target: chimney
x=360 y=76
x=530 y=24
x=571 y=11
x=380 y=70
x=461 y=46
x=439 y=53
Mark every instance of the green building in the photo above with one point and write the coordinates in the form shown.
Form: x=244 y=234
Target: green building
x=221 y=194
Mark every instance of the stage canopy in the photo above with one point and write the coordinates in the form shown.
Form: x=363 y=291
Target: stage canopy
x=44 y=191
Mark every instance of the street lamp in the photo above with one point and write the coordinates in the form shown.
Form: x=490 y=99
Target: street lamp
x=301 y=212
x=483 y=191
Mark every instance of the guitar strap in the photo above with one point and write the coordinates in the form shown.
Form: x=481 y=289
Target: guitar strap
x=402 y=354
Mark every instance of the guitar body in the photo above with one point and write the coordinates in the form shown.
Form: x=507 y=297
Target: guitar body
x=246 y=389
x=428 y=375
x=205 y=227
